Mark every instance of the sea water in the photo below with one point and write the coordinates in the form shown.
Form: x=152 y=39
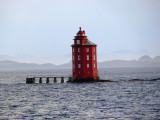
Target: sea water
x=86 y=101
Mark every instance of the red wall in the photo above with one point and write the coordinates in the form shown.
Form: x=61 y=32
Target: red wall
x=84 y=71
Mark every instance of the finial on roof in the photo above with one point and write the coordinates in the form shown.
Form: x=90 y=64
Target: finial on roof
x=80 y=28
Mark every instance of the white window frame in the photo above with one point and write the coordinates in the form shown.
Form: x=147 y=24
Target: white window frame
x=87 y=65
x=78 y=41
x=78 y=49
x=94 y=49
x=79 y=65
x=87 y=57
x=87 y=49
x=79 y=57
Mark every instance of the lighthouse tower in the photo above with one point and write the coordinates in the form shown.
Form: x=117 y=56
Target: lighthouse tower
x=84 y=59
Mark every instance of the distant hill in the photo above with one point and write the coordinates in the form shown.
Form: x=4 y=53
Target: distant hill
x=157 y=58
x=144 y=61
x=145 y=58
x=12 y=65
x=65 y=66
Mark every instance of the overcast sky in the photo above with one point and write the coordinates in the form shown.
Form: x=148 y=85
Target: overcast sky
x=42 y=31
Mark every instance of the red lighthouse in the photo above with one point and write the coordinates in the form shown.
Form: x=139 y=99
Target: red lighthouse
x=84 y=59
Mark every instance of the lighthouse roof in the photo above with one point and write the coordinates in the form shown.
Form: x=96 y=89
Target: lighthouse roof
x=88 y=42
x=80 y=31
x=81 y=37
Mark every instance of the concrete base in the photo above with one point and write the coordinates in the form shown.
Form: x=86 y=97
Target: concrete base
x=84 y=79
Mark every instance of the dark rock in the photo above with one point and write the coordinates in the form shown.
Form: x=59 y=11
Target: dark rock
x=106 y=81
x=84 y=79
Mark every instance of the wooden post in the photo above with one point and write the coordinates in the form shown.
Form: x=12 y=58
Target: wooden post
x=55 y=80
x=33 y=80
x=62 y=80
x=30 y=80
x=47 y=81
x=40 y=80
x=70 y=79
x=27 y=80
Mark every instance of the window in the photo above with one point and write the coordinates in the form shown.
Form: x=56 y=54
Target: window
x=93 y=49
x=94 y=65
x=87 y=65
x=87 y=49
x=73 y=57
x=78 y=49
x=79 y=57
x=87 y=57
x=78 y=41
x=94 y=57
x=73 y=49
x=79 y=65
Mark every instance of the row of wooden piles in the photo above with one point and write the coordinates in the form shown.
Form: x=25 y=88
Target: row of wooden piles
x=33 y=80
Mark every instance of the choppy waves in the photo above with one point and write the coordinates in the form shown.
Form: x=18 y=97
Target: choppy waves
x=114 y=100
